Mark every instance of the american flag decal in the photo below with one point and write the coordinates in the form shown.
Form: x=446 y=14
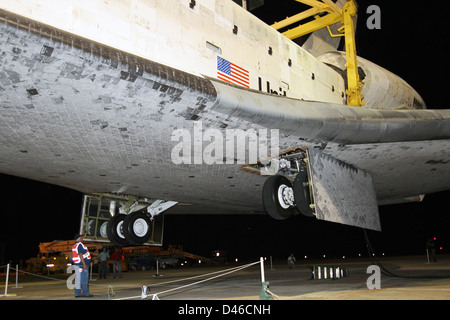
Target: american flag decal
x=232 y=73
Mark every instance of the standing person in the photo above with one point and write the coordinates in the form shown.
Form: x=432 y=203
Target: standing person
x=116 y=257
x=431 y=249
x=103 y=258
x=81 y=259
x=291 y=261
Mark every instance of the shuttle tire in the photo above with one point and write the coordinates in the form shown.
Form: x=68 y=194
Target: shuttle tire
x=137 y=228
x=302 y=194
x=114 y=230
x=271 y=190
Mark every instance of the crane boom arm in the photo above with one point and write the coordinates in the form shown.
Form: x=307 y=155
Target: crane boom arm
x=334 y=15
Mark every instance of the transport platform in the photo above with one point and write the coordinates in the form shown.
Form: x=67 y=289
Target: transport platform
x=407 y=278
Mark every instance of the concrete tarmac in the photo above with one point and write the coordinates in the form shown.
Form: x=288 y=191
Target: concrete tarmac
x=409 y=278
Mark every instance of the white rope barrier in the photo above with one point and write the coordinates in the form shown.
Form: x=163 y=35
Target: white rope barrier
x=203 y=275
x=144 y=288
x=272 y=294
x=41 y=276
x=208 y=279
x=155 y=296
x=55 y=279
x=38 y=275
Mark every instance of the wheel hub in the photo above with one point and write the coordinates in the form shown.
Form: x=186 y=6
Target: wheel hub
x=285 y=196
x=119 y=230
x=140 y=227
x=103 y=232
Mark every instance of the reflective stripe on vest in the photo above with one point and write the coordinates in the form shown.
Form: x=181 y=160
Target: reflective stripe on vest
x=76 y=256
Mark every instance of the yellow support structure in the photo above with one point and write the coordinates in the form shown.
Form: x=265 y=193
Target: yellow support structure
x=334 y=15
x=354 y=96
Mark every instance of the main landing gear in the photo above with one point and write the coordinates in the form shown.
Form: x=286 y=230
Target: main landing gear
x=283 y=198
x=123 y=220
x=135 y=227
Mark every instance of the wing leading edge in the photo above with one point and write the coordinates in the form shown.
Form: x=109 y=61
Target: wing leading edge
x=326 y=122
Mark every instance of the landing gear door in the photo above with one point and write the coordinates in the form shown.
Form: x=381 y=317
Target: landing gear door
x=342 y=193
x=158 y=230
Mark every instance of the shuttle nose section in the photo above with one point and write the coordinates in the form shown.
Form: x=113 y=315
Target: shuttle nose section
x=382 y=89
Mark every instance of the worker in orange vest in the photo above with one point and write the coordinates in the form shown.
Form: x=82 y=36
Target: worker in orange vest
x=81 y=258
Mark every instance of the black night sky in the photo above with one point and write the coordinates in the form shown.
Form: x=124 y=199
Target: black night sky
x=412 y=42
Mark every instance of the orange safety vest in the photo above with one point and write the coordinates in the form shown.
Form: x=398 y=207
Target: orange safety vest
x=76 y=256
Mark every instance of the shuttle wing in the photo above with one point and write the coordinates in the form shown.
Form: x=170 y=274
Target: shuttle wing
x=401 y=154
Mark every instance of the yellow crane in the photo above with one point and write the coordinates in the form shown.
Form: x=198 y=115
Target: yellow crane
x=334 y=14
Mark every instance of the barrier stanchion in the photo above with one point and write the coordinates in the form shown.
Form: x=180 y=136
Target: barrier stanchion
x=17 y=277
x=110 y=292
x=91 y=266
x=331 y=272
x=144 y=292
x=264 y=294
x=157 y=270
x=261 y=264
x=6 y=284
